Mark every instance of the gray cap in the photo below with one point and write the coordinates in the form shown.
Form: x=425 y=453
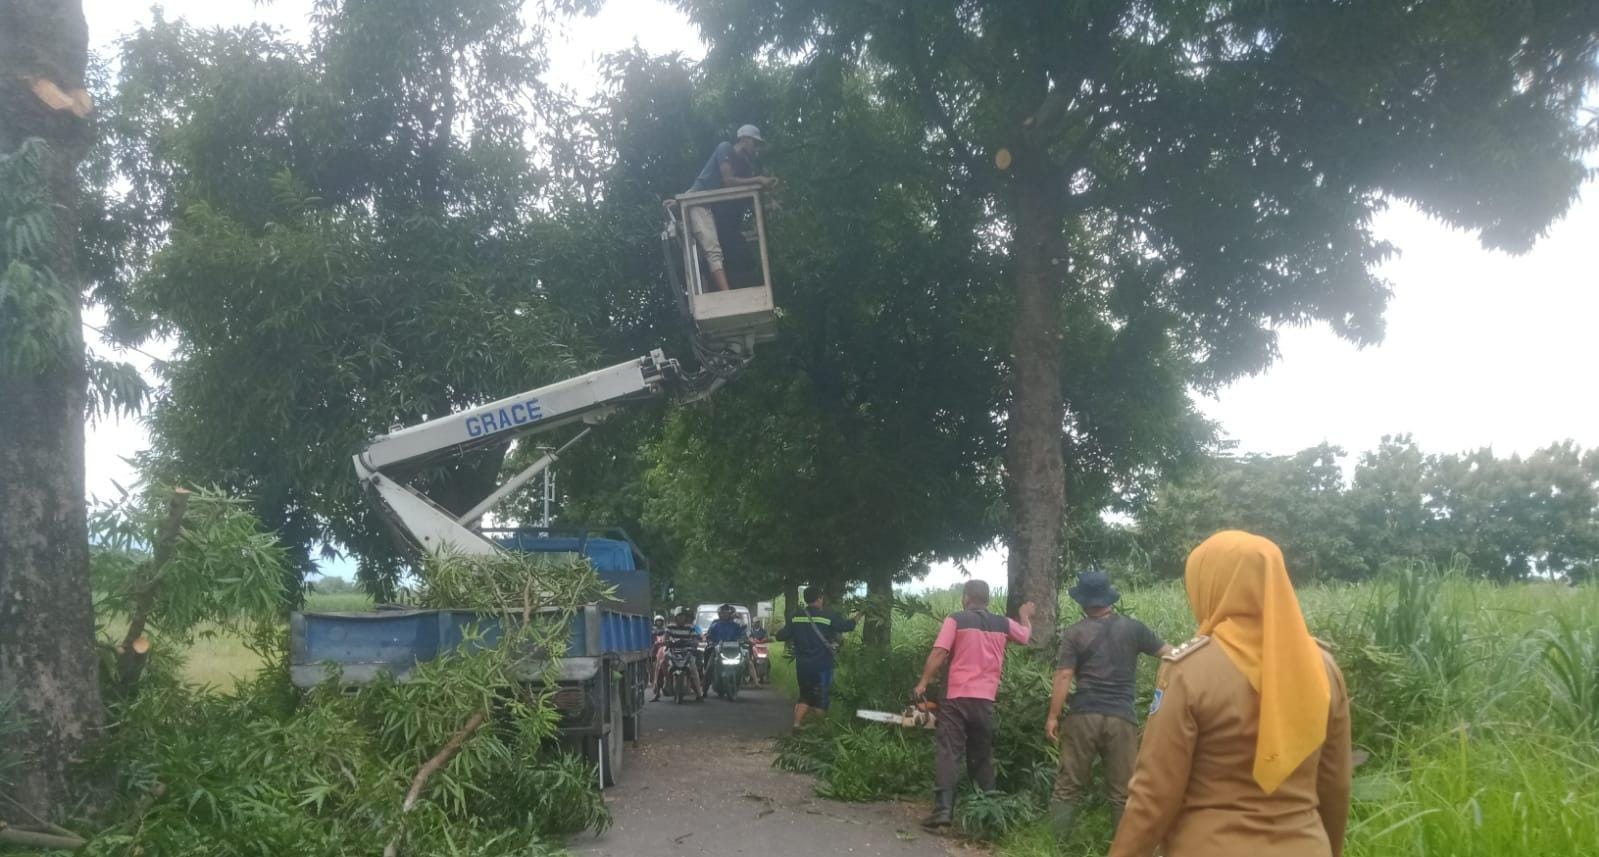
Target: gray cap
x=751 y=131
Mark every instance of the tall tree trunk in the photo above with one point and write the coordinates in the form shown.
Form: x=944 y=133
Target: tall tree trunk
x=879 y=630
x=1036 y=484
x=47 y=656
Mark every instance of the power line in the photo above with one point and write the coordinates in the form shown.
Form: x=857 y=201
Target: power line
x=137 y=350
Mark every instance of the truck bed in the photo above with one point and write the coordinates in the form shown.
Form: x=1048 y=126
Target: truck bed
x=394 y=641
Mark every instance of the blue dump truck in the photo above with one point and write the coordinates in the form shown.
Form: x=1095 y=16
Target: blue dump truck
x=601 y=680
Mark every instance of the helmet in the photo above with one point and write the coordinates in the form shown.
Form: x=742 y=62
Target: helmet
x=659 y=618
x=725 y=608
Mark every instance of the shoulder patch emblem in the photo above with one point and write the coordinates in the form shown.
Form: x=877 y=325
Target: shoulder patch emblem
x=1187 y=649
x=1154 y=704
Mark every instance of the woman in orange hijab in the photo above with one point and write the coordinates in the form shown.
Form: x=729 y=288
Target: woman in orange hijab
x=1246 y=751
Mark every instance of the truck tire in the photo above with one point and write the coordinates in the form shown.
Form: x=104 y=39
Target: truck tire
x=606 y=750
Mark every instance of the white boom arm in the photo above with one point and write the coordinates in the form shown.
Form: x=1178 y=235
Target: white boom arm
x=727 y=326
x=587 y=397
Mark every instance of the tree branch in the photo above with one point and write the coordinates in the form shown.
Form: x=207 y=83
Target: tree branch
x=131 y=654
x=934 y=108
x=32 y=839
x=439 y=760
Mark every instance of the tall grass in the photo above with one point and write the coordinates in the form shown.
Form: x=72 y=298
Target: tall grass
x=1478 y=705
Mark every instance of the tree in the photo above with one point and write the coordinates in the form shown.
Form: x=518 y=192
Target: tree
x=1229 y=154
x=337 y=237
x=1505 y=519
x=46 y=622
x=1298 y=501
x=859 y=446
x=1388 y=498
x=1515 y=518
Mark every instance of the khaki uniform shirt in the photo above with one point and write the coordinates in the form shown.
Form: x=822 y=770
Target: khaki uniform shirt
x=1194 y=793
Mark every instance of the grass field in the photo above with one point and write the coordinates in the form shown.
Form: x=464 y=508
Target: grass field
x=220 y=659
x=1478 y=704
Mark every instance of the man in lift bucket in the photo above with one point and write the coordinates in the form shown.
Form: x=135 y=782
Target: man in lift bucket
x=730 y=165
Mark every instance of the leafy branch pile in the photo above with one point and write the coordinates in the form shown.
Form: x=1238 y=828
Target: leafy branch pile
x=859 y=761
x=459 y=759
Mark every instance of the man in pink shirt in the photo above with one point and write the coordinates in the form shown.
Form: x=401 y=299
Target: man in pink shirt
x=972 y=641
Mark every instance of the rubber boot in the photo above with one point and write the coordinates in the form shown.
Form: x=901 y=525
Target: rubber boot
x=943 y=809
x=1062 y=818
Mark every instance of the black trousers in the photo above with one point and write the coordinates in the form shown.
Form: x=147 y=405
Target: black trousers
x=965 y=728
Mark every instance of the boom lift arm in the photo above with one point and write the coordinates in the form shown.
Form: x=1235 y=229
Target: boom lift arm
x=723 y=350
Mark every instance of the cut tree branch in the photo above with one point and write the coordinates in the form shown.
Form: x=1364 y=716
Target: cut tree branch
x=439 y=760
x=33 y=839
x=131 y=654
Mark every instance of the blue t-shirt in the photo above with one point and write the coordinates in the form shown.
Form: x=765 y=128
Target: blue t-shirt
x=710 y=178
x=724 y=632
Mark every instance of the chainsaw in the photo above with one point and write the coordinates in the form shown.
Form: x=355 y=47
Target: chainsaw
x=920 y=715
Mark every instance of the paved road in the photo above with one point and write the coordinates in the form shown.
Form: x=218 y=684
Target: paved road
x=702 y=782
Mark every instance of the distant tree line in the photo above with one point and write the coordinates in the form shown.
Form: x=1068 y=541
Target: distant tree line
x=1503 y=518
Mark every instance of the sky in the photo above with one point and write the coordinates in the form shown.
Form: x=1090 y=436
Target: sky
x=1482 y=348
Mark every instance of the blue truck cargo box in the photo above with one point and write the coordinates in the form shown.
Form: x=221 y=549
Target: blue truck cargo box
x=395 y=641
x=613 y=559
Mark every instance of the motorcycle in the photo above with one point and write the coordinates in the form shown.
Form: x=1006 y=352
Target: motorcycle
x=763 y=663
x=728 y=666
x=680 y=664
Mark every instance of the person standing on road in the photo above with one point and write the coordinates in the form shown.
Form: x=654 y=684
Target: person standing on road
x=658 y=655
x=1100 y=653
x=1247 y=748
x=730 y=165
x=972 y=642
x=813 y=636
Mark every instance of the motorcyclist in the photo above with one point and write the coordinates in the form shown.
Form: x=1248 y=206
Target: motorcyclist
x=726 y=629
x=681 y=637
x=658 y=654
x=757 y=634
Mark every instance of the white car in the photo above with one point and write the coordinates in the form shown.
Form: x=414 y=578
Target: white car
x=705 y=614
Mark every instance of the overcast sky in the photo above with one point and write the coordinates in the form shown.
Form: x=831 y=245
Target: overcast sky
x=1483 y=349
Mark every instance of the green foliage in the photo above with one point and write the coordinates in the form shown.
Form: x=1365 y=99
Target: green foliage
x=265 y=770
x=1571 y=662
x=508 y=581
x=256 y=772
x=115 y=389
x=993 y=816
x=1503 y=518
x=1474 y=795
x=37 y=325
x=860 y=762
x=336 y=238
x=1177 y=180
x=818 y=464
x=1466 y=696
x=225 y=571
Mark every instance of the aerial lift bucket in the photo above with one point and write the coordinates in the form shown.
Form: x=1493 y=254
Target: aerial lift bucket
x=745 y=311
